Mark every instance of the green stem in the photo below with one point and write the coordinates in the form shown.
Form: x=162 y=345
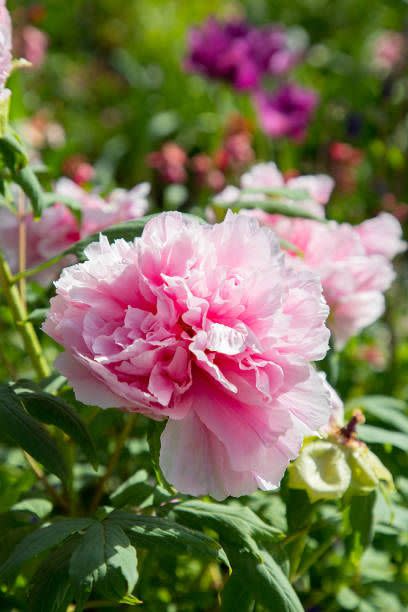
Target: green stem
x=36 y=269
x=123 y=436
x=19 y=314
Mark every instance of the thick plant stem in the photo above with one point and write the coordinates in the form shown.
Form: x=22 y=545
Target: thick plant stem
x=19 y=314
x=112 y=461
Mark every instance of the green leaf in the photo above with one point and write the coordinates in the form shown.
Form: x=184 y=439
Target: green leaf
x=273 y=207
x=13 y=482
x=51 y=589
x=54 y=411
x=235 y=525
x=42 y=540
x=29 y=183
x=372 y=402
x=39 y=507
x=378 y=435
x=26 y=432
x=137 y=491
x=148 y=531
x=283 y=192
x=385 y=409
x=104 y=558
x=236 y=590
x=127 y=231
x=12 y=152
x=362 y=520
x=55 y=198
x=266 y=581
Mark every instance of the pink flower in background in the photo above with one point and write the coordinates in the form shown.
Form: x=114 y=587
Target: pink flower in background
x=208 y=326
x=5 y=48
x=286 y=112
x=353 y=279
x=389 y=49
x=33 y=43
x=382 y=235
x=58 y=227
x=268 y=176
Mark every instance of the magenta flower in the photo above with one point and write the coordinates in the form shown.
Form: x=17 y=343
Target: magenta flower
x=353 y=277
x=286 y=112
x=208 y=326
x=34 y=44
x=241 y=54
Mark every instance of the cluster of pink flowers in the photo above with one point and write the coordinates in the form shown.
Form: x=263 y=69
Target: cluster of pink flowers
x=353 y=262
x=5 y=49
x=59 y=228
x=210 y=327
x=242 y=54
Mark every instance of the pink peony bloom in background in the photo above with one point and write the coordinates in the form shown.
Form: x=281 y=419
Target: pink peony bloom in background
x=268 y=176
x=389 y=50
x=210 y=327
x=58 y=227
x=5 y=48
x=33 y=45
x=353 y=278
x=382 y=235
x=286 y=112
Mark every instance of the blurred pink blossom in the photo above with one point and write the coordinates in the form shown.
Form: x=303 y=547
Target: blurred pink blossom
x=5 y=48
x=33 y=45
x=389 y=49
x=382 y=235
x=353 y=279
x=268 y=176
x=58 y=227
x=206 y=326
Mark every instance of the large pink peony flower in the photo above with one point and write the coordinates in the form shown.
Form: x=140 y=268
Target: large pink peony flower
x=208 y=326
x=58 y=228
x=353 y=276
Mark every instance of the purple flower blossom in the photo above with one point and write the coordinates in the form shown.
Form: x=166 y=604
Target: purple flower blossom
x=286 y=112
x=238 y=53
x=5 y=44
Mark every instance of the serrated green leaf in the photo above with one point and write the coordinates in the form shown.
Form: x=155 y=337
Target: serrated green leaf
x=104 y=558
x=26 y=432
x=236 y=525
x=41 y=540
x=148 y=531
x=55 y=411
x=378 y=435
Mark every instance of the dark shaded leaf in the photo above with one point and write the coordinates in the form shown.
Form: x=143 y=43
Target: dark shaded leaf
x=42 y=540
x=26 y=432
x=104 y=558
x=148 y=531
x=55 y=411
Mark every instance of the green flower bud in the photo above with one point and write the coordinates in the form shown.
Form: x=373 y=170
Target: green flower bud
x=321 y=470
